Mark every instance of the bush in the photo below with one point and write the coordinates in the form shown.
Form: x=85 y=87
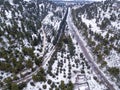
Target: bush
x=82 y=71
x=104 y=63
x=15 y=77
x=49 y=81
x=44 y=86
x=22 y=85
x=53 y=85
x=38 y=61
x=40 y=76
x=95 y=78
x=114 y=71
x=28 y=51
x=16 y=1
x=105 y=23
x=70 y=86
x=1 y=2
x=32 y=84
x=62 y=85
x=113 y=17
x=1 y=84
x=14 y=86
x=71 y=46
x=29 y=64
x=35 y=78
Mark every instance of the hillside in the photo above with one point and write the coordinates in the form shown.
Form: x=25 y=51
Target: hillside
x=53 y=46
x=26 y=28
x=99 y=24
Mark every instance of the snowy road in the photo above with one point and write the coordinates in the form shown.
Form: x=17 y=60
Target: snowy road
x=46 y=57
x=75 y=33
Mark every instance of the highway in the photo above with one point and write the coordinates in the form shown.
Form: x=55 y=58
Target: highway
x=75 y=33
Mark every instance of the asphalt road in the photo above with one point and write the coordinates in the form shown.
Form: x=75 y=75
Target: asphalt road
x=75 y=33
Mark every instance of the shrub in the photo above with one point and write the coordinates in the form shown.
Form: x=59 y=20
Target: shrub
x=44 y=86
x=113 y=71
x=14 y=86
x=49 y=81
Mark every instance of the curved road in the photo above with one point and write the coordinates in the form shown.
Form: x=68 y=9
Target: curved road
x=48 y=56
x=74 y=31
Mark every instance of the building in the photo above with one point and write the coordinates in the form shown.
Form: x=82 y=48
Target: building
x=81 y=82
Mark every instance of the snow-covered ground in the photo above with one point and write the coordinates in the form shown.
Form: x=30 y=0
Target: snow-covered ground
x=114 y=57
x=19 y=36
x=93 y=24
x=61 y=70
x=58 y=64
